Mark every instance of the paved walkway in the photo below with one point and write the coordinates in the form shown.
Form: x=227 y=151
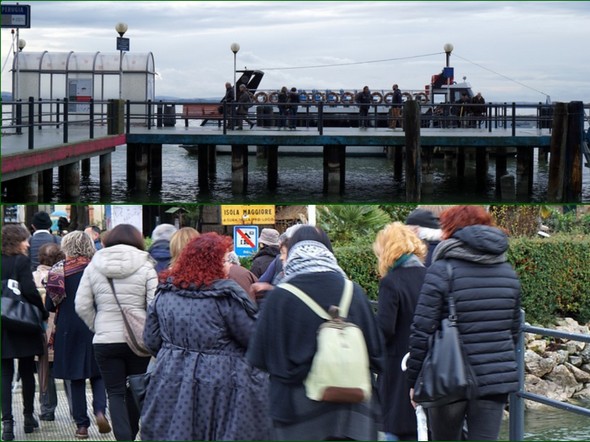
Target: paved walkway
x=63 y=427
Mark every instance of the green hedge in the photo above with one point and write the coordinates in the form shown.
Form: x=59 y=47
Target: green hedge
x=554 y=274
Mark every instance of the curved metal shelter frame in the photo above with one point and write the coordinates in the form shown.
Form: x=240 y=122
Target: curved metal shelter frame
x=83 y=75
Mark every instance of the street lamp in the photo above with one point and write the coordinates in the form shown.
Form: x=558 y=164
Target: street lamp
x=235 y=47
x=448 y=48
x=122 y=45
x=21 y=45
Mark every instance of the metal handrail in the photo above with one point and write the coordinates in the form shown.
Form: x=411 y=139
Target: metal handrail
x=516 y=402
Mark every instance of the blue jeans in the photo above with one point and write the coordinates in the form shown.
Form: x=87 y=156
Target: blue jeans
x=483 y=417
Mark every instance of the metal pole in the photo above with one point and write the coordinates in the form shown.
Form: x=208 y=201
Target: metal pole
x=235 y=85
x=17 y=49
x=120 y=74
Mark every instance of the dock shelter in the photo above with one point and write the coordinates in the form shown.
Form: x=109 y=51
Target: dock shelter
x=81 y=76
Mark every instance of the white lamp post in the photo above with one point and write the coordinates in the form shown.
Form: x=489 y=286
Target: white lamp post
x=122 y=45
x=448 y=48
x=235 y=47
x=21 y=43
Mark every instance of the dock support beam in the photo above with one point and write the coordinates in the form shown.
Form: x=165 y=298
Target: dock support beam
x=106 y=176
x=46 y=185
x=557 y=159
x=413 y=151
x=501 y=170
x=524 y=173
x=239 y=168
x=72 y=182
x=481 y=168
x=137 y=166
x=272 y=155
x=86 y=167
x=334 y=169
x=203 y=166
x=30 y=188
x=155 y=165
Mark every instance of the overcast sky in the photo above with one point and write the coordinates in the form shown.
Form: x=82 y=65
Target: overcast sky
x=510 y=51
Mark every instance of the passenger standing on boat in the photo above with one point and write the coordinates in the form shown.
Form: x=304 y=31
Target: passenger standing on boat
x=283 y=99
x=292 y=108
x=228 y=98
x=479 y=110
x=245 y=102
x=364 y=100
x=396 y=109
x=464 y=110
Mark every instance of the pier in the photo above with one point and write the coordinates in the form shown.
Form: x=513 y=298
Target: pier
x=44 y=141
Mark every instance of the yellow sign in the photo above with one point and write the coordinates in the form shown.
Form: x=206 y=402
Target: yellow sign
x=240 y=215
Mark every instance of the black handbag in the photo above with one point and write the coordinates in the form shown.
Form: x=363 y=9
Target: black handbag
x=446 y=375
x=18 y=314
x=138 y=384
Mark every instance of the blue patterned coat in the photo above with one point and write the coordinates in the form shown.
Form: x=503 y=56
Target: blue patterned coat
x=202 y=387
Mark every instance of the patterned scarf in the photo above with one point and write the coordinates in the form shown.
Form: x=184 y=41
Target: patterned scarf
x=310 y=257
x=56 y=278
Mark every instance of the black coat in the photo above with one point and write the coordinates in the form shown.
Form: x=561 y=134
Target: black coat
x=285 y=342
x=398 y=296
x=487 y=295
x=73 y=351
x=262 y=259
x=20 y=345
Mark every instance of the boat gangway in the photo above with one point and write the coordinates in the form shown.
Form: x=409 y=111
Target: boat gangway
x=59 y=134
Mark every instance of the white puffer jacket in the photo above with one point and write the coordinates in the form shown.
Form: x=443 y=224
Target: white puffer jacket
x=135 y=279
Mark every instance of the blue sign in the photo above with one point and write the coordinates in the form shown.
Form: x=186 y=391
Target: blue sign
x=16 y=16
x=245 y=240
x=122 y=44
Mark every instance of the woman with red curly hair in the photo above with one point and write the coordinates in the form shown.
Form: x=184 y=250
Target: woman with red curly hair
x=199 y=325
x=470 y=266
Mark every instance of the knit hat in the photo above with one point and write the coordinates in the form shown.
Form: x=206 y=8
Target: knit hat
x=269 y=237
x=423 y=218
x=41 y=221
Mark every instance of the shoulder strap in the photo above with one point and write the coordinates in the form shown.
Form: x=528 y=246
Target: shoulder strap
x=343 y=308
x=452 y=310
x=110 y=280
x=317 y=309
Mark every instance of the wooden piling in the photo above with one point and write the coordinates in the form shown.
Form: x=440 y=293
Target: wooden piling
x=334 y=169
x=239 y=168
x=524 y=173
x=30 y=188
x=86 y=167
x=501 y=170
x=413 y=150
x=481 y=168
x=106 y=175
x=155 y=165
x=141 y=167
x=46 y=185
x=557 y=155
x=572 y=192
x=272 y=155
x=72 y=182
x=203 y=166
x=212 y=161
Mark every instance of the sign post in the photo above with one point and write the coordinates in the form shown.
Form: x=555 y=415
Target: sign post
x=245 y=240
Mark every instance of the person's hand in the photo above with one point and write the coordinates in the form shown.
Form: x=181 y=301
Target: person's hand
x=414 y=404
x=259 y=289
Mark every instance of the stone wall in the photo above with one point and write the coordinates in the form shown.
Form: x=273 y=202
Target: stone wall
x=557 y=368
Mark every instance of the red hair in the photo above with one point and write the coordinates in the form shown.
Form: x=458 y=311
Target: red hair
x=458 y=217
x=201 y=261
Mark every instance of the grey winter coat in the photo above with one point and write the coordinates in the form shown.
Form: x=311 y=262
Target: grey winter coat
x=202 y=387
x=487 y=295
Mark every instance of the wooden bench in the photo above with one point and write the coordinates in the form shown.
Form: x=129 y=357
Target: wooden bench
x=203 y=112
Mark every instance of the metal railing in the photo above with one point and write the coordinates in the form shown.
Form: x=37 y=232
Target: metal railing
x=516 y=404
x=37 y=114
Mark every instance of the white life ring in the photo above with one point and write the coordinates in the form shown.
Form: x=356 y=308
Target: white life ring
x=347 y=98
x=388 y=98
x=261 y=97
x=273 y=97
x=421 y=97
x=332 y=97
x=377 y=97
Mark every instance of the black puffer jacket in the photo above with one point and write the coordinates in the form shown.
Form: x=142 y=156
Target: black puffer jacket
x=487 y=296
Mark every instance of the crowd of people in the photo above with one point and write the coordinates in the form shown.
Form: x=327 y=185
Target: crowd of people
x=229 y=348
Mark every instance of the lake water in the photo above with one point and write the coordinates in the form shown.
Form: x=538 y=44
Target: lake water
x=368 y=180
x=553 y=424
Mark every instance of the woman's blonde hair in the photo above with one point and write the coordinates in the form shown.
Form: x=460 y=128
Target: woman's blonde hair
x=77 y=243
x=179 y=240
x=393 y=241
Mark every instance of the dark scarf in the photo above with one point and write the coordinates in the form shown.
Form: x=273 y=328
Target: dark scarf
x=56 y=277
